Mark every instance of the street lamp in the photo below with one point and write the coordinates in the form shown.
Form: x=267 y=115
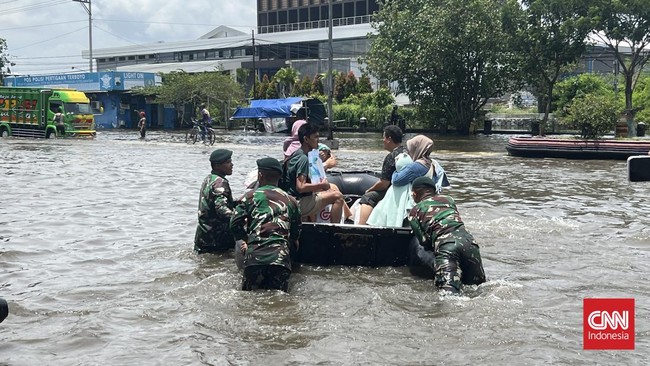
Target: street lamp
x=90 y=28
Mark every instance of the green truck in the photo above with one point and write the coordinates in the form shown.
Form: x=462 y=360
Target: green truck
x=30 y=112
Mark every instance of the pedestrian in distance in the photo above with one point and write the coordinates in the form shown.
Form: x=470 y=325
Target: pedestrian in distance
x=142 y=125
x=215 y=207
x=267 y=225
x=59 y=121
x=441 y=243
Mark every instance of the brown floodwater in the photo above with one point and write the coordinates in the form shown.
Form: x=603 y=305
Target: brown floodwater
x=96 y=262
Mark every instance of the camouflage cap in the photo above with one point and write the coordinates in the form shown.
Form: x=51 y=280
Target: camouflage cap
x=220 y=156
x=269 y=164
x=423 y=182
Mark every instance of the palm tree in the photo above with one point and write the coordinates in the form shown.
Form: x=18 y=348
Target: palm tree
x=286 y=78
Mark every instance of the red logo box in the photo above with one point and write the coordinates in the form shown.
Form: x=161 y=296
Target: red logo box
x=608 y=324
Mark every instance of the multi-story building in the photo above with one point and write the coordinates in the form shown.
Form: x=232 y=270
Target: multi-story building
x=291 y=15
x=289 y=32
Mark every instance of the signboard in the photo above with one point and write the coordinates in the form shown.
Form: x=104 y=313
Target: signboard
x=88 y=81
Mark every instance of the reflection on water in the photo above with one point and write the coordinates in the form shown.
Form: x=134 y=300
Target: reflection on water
x=95 y=251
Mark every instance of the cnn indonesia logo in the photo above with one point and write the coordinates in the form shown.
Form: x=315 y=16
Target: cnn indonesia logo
x=608 y=324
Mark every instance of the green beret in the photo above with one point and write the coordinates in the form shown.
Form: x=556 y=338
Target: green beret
x=423 y=182
x=269 y=164
x=220 y=156
x=322 y=147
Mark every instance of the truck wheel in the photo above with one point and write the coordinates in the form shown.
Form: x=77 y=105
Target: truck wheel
x=51 y=134
x=4 y=132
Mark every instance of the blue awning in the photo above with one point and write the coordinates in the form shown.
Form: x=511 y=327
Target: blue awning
x=267 y=108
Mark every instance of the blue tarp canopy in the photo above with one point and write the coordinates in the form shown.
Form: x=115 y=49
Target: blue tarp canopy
x=267 y=108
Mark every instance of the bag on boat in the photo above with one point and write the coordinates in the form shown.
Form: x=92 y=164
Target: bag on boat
x=316 y=168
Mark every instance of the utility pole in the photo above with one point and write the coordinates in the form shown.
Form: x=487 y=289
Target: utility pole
x=89 y=10
x=330 y=84
x=254 y=70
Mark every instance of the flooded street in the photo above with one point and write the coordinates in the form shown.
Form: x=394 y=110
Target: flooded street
x=97 y=265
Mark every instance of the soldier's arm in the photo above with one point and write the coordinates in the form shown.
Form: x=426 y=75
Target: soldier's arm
x=417 y=228
x=221 y=206
x=296 y=223
x=238 y=222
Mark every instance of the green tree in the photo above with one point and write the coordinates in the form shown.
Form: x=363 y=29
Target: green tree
x=272 y=90
x=317 y=85
x=216 y=89
x=304 y=87
x=446 y=55
x=285 y=79
x=242 y=76
x=5 y=64
x=548 y=37
x=382 y=98
x=624 y=27
x=364 y=86
x=579 y=86
x=641 y=99
x=594 y=115
x=350 y=84
x=263 y=87
x=339 y=86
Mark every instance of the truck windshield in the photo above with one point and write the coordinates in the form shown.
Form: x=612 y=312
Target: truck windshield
x=77 y=108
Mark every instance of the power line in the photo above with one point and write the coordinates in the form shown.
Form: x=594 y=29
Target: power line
x=44 y=4
x=42 y=57
x=49 y=39
x=43 y=25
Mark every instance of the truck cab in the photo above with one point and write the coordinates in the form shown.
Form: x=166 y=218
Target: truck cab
x=30 y=112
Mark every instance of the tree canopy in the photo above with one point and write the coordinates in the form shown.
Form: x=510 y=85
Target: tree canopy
x=4 y=61
x=548 y=37
x=447 y=56
x=624 y=27
x=181 y=88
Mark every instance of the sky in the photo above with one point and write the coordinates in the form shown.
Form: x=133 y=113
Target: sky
x=47 y=36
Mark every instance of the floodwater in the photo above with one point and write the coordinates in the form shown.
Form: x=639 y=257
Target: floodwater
x=96 y=262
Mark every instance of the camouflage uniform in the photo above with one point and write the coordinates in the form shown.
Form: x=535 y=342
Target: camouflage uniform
x=268 y=220
x=215 y=210
x=438 y=227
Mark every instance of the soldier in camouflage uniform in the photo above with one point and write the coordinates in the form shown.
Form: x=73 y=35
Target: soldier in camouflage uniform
x=267 y=221
x=438 y=228
x=215 y=207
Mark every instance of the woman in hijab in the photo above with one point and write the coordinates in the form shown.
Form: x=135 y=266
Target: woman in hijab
x=291 y=143
x=419 y=148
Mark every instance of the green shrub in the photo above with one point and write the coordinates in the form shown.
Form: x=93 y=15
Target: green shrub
x=641 y=99
x=578 y=86
x=593 y=115
x=352 y=113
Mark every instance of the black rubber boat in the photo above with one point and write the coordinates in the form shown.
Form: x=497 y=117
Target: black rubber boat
x=353 y=245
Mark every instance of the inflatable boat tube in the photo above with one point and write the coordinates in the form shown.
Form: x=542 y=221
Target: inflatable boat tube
x=4 y=309
x=353 y=183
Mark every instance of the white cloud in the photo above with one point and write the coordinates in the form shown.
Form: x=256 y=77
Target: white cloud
x=47 y=36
